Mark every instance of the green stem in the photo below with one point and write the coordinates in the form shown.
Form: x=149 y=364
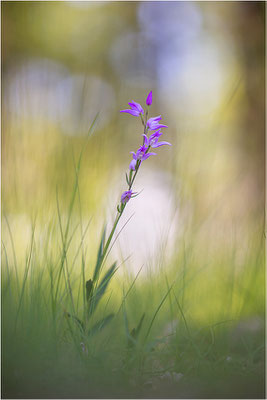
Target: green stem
x=111 y=234
x=132 y=181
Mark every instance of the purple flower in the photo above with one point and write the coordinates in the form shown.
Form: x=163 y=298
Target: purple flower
x=125 y=197
x=141 y=155
x=149 y=99
x=153 y=140
x=153 y=123
x=136 y=109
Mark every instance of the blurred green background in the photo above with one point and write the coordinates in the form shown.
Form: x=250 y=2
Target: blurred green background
x=64 y=62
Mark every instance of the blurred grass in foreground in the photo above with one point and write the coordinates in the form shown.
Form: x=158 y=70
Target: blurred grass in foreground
x=202 y=333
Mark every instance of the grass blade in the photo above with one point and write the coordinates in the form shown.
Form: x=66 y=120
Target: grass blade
x=99 y=255
x=100 y=325
x=139 y=326
x=100 y=290
x=157 y=310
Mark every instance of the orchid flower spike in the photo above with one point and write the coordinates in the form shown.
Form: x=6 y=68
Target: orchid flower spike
x=136 y=109
x=152 y=141
x=149 y=99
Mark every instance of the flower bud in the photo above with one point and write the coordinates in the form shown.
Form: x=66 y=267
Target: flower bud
x=149 y=99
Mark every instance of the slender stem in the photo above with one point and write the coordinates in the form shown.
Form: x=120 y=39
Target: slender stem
x=118 y=218
x=111 y=233
x=144 y=123
x=132 y=181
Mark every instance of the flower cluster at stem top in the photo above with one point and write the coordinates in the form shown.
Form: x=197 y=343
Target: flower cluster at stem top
x=142 y=154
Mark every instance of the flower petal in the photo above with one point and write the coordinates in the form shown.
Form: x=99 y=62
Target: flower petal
x=153 y=119
x=134 y=155
x=132 y=112
x=136 y=106
x=153 y=123
x=160 y=144
x=154 y=137
x=159 y=126
x=155 y=126
x=146 y=143
x=125 y=197
x=156 y=134
x=158 y=118
x=132 y=165
x=145 y=156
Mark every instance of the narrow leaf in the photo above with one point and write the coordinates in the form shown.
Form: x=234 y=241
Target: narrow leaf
x=99 y=259
x=100 y=325
x=100 y=290
x=139 y=326
x=127 y=179
x=89 y=286
x=157 y=310
x=130 y=340
x=126 y=325
x=135 y=332
x=77 y=320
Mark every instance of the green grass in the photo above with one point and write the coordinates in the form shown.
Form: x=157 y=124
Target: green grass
x=205 y=323
x=72 y=327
